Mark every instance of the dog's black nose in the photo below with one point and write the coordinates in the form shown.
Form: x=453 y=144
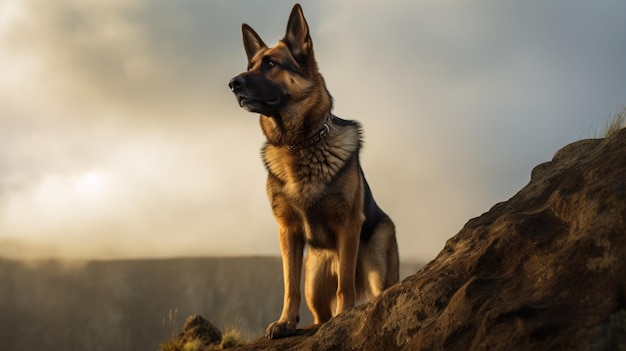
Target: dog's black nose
x=236 y=83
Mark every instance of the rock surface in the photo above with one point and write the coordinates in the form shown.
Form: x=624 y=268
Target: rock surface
x=545 y=270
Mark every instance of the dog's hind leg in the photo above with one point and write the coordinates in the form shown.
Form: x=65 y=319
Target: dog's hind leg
x=380 y=258
x=392 y=261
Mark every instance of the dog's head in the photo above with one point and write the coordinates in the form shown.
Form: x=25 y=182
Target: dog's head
x=280 y=76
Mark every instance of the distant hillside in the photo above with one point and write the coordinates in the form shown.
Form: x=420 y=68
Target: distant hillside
x=121 y=305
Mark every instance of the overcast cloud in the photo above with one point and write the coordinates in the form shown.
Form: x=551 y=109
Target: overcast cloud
x=119 y=137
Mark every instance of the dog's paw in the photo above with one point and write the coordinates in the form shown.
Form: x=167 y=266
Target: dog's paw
x=280 y=329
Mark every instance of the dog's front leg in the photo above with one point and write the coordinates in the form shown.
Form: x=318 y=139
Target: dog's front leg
x=347 y=252
x=292 y=248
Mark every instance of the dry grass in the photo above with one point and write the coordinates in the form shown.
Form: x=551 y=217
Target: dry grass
x=170 y=328
x=615 y=123
x=232 y=338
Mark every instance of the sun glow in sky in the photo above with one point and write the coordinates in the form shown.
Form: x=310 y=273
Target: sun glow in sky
x=57 y=201
x=119 y=136
x=90 y=185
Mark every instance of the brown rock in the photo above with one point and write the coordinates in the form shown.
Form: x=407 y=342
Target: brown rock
x=545 y=270
x=199 y=330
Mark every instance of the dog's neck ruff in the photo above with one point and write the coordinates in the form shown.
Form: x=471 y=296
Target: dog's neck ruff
x=321 y=134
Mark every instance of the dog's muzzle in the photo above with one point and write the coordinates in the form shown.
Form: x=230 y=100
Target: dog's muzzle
x=249 y=98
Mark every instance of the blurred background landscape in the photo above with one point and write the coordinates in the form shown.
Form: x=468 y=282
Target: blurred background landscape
x=136 y=304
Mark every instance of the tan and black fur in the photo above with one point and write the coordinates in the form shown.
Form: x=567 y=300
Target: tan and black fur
x=315 y=184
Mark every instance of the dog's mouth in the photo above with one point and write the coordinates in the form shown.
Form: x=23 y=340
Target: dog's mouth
x=246 y=101
x=272 y=102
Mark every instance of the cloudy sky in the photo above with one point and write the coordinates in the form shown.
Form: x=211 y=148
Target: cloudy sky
x=119 y=137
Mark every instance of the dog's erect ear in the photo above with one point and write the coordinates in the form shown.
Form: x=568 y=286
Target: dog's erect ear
x=297 y=36
x=252 y=42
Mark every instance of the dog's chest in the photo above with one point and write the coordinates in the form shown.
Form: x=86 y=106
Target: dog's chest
x=305 y=173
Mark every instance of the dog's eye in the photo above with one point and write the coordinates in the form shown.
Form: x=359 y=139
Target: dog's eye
x=269 y=63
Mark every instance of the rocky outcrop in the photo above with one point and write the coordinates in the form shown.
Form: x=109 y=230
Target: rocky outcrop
x=199 y=332
x=545 y=270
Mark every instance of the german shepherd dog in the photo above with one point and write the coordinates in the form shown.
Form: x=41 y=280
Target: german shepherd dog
x=315 y=184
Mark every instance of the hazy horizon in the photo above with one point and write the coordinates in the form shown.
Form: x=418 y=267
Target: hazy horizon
x=119 y=137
